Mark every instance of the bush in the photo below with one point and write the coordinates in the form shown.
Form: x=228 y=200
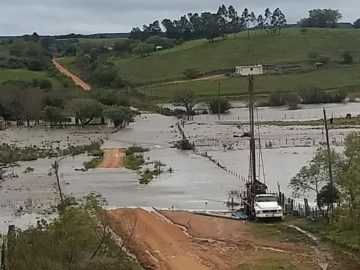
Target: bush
x=293 y=101
x=214 y=105
x=134 y=161
x=191 y=73
x=347 y=58
x=316 y=96
x=135 y=149
x=277 y=98
x=45 y=84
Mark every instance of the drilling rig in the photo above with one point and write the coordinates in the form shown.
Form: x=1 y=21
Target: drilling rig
x=253 y=185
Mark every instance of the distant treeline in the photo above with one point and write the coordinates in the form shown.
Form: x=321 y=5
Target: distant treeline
x=71 y=36
x=211 y=25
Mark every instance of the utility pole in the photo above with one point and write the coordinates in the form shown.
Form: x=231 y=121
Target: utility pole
x=329 y=158
x=219 y=104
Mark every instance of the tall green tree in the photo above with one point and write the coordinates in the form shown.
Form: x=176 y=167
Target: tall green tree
x=322 y=18
x=121 y=116
x=85 y=109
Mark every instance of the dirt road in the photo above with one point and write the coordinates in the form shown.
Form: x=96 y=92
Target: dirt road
x=206 y=78
x=181 y=240
x=113 y=158
x=79 y=82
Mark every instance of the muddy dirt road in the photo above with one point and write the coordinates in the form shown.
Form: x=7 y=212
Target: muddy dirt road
x=180 y=240
x=113 y=158
x=76 y=79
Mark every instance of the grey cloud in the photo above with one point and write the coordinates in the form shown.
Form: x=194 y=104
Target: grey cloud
x=94 y=16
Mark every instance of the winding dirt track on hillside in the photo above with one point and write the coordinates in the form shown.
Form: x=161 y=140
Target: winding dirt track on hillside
x=73 y=77
x=113 y=158
x=181 y=240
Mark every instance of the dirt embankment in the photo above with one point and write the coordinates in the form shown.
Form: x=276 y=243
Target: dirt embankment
x=73 y=77
x=181 y=240
x=113 y=158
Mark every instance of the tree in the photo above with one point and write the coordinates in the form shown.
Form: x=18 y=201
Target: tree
x=54 y=115
x=143 y=49
x=214 y=105
x=315 y=176
x=86 y=109
x=120 y=115
x=321 y=18
x=245 y=18
x=186 y=99
x=357 y=23
x=278 y=19
x=210 y=26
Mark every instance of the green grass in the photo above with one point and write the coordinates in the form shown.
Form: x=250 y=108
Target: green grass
x=343 y=78
x=289 y=47
x=69 y=62
x=20 y=74
x=279 y=232
x=344 y=238
x=268 y=264
x=133 y=162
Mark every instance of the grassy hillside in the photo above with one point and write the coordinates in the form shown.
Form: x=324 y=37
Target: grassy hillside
x=289 y=47
x=20 y=74
x=345 y=78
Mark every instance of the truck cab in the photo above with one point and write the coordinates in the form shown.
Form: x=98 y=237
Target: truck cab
x=267 y=206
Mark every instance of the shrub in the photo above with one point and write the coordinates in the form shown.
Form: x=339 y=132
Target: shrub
x=135 y=149
x=277 y=98
x=316 y=96
x=293 y=101
x=191 y=73
x=214 y=105
x=347 y=58
x=45 y=84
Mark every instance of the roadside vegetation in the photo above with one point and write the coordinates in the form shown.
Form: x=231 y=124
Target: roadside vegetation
x=10 y=155
x=79 y=238
x=337 y=196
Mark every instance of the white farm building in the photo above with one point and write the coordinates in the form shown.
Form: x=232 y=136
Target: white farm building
x=249 y=70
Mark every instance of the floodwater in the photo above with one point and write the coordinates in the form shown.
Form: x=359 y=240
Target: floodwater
x=307 y=112
x=194 y=182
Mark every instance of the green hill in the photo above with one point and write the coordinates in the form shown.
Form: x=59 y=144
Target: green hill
x=292 y=46
x=153 y=74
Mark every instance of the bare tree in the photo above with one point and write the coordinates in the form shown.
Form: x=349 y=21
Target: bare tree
x=186 y=99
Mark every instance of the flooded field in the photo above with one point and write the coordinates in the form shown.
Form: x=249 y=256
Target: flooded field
x=189 y=180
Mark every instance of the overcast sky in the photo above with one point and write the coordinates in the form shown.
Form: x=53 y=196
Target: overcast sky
x=19 y=17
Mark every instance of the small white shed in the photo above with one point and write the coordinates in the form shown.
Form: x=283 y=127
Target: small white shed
x=249 y=70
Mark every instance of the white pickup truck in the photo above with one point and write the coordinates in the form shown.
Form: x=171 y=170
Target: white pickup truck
x=266 y=206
